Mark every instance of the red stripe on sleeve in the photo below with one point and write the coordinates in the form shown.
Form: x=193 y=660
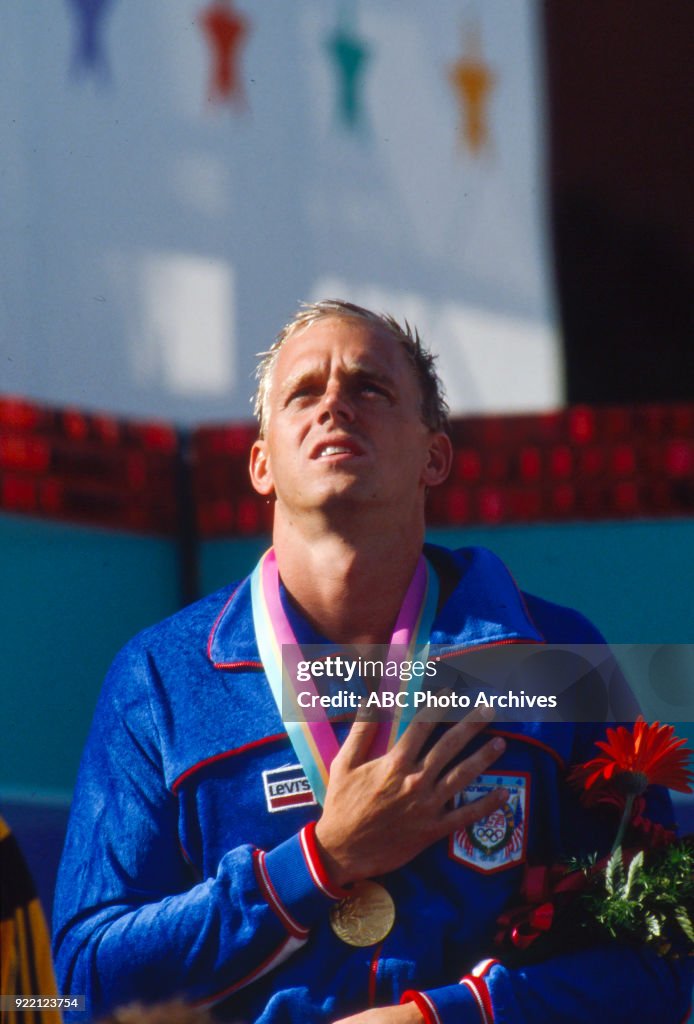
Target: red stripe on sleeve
x=270 y=893
x=315 y=866
x=423 y=1004
x=480 y=991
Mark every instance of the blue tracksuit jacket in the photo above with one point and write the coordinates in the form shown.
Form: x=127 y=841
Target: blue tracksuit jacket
x=190 y=865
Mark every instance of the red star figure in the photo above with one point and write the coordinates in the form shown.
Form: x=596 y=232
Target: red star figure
x=225 y=29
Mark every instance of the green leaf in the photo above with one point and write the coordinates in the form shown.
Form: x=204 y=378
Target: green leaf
x=684 y=921
x=653 y=925
x=614 y=871
x=635 y=869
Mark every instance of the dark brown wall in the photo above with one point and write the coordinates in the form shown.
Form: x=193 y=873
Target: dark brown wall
x=622 y=173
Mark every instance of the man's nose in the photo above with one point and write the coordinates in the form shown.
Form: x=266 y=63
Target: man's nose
x=335 y=404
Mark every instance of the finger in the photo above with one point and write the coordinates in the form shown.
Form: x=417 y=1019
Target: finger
x=355 y=749
x=457 y=778
x=456 y=739
x=476 y=810
x=409 y=746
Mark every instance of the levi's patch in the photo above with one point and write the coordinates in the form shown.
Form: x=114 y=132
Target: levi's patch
x=286 y=788
x=498 y=841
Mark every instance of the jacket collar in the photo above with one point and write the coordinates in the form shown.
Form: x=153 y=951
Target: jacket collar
x=486 y=607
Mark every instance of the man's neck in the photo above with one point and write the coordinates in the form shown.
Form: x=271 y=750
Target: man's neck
x=350 y=591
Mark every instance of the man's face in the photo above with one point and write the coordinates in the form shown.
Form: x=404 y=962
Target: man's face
x=344 y=423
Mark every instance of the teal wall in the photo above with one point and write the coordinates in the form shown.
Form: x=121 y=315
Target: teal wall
x=71 y=596
x=635 y=580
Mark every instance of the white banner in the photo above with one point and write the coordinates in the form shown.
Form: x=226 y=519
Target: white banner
x=154 y=240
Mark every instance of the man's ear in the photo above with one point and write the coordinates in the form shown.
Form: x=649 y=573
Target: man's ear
x=259 y=468
x=439 y=459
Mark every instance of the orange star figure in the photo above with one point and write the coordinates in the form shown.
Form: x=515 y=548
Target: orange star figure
x=225 y=30
x=473 y=82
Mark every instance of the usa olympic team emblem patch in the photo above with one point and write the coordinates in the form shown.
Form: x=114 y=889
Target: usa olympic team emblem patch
x=498 y=841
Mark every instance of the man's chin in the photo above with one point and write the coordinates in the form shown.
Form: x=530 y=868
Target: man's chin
x=348 y=493
x=342 y=493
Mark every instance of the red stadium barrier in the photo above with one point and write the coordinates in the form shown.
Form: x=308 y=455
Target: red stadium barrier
x=584 y=463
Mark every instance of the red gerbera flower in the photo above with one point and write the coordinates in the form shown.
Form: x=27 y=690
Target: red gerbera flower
x=650 y=754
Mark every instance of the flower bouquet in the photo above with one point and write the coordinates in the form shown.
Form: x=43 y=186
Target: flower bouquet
x=642 y=893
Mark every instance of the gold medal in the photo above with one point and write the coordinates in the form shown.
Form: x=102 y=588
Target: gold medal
x=365 y=917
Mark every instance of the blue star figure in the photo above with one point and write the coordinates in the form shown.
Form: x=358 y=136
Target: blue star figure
x=90 y=54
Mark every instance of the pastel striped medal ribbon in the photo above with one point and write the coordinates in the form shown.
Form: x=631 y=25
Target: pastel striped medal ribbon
x=314 y=742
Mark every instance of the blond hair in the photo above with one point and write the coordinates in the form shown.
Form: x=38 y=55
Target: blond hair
x=434 y=408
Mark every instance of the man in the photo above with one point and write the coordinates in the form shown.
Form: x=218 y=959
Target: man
x=186 y=871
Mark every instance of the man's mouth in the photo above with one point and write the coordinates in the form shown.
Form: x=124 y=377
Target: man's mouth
x=331 y=449
x=334 y=449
